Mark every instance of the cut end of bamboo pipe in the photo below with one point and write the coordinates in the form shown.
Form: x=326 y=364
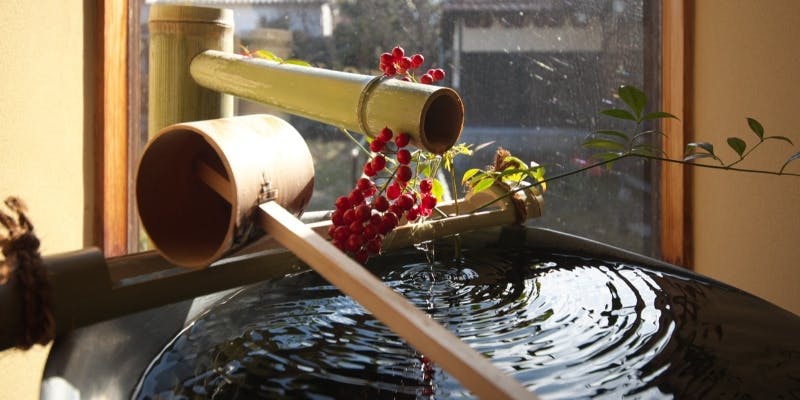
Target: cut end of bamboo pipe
x=442 y=120
x=198 y=182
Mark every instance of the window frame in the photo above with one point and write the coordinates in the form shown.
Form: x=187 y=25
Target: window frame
x=113 y=181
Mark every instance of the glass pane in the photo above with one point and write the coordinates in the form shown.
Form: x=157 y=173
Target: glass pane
x=533 y=75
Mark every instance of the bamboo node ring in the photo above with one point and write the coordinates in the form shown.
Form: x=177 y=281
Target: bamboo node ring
x=362 y=103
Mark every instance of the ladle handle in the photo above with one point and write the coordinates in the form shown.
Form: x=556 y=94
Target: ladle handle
x=474 y=371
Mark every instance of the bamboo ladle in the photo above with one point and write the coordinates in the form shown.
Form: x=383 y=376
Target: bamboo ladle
x=211 y=162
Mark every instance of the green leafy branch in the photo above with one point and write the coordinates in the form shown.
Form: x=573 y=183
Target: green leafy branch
x=616 y=145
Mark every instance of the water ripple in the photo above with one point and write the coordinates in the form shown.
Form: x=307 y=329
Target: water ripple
x=565 y=326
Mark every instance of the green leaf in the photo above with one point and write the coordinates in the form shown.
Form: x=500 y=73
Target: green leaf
x=658 y=115
x=795 y=156
x=438 y=189
x=695 y=156
x=603 y=144
x=702 y=145
x=482 y=185
x=618 y=134
x=756 y=127
x=738 y=145
x=619 y=114
x=516 y=162
x=648 y=150
x=784 y=138
x=634 y=98
x=469 y=174
x=645 y=133
x=267 y=55
x=608 y=156
x=297 y=62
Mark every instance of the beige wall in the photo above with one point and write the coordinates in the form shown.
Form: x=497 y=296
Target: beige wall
x=747 y=64
x=44 y=123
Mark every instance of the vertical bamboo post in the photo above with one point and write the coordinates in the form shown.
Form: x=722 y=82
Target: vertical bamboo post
x=177 y=34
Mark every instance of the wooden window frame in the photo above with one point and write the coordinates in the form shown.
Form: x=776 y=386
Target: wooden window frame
x=112 y=213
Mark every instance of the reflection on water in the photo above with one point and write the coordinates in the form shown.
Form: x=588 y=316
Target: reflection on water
x=566 y=326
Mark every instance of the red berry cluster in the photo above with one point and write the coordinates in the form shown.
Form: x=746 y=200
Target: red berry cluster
x=397 y=63
x=368 y=213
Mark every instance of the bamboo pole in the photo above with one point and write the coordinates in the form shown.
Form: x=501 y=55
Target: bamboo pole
x=432 y=115
x=473 y=370
x=177 y=34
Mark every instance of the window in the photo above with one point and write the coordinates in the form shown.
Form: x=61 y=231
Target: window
x=533 y=75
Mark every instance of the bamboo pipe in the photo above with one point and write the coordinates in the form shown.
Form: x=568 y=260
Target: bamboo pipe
x=256 y=156
x=433 y=116
x=88 y=289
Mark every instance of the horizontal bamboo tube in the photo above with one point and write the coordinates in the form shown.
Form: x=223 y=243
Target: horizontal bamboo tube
x=432 y=115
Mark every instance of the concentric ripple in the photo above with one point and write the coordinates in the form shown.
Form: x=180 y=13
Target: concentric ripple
x=566 y=326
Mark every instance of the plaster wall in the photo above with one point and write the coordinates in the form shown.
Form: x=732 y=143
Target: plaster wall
x=747 y=64
x=45 y=126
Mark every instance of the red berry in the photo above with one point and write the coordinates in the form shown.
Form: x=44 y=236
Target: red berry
x=405 y=202
x=430 y=72
x=390 y=70
x=370 y=231
x=403 y=156
x=398 y=53
x=354 y=242
x=341 y=233
x=378 y=163
x=386 y=134
x=425 y=186
x=426 y=79
x=387 y=59
x=388 y=222
x=403 y=173
x=340 y=245
x=349 y=216
x=369 y=170
x=402 y=140
x=393 y=191
x=377 y=145
x=396 y=209
x=356 y=228
x=381 y=204
x=368 y=192
x=374 y=245
x=438 y=74
x=364 y=184
x=342 y=203
x=375 y=220
x=428 y=202
x=337 y=217
x=331 y=230
x=412 y=214
x=416 y=60
x=361 y=256
x=405 y=63
x=355 y=197
x=363 y=212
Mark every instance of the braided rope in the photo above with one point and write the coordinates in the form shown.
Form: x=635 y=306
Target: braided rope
x=23 y=262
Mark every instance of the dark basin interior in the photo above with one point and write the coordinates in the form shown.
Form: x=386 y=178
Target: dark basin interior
x=568 y=317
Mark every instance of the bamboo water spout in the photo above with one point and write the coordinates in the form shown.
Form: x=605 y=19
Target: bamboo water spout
x=432 y=115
